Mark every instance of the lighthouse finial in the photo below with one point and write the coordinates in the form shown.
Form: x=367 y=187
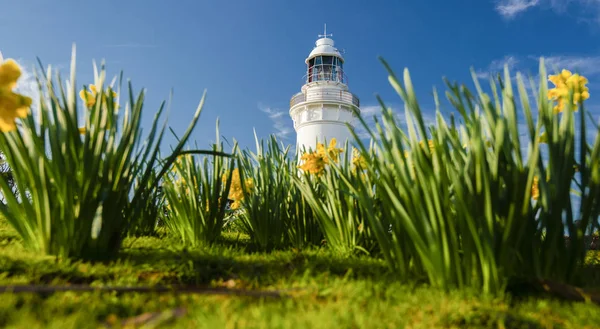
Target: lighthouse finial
x=325 y=35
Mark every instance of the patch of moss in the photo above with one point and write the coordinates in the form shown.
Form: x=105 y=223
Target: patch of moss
x=321 y=289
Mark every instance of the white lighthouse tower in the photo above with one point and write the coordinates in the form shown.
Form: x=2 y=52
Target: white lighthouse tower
x=324 y=106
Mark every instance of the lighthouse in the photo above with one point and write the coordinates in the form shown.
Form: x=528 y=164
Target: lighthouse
x=324 y=105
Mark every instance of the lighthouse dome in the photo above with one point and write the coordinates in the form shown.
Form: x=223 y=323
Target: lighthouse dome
x=324 y=47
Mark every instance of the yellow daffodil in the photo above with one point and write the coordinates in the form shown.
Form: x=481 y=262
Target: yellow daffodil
x=235 y=190
x=429 y=143
x=361 y=227
x=564 y=83
x=9 y=74
x=313 y=163
x=332 y=151
x=359 y=161
x=89 y=97
x=176 y=163
x=543 y=139
x=219 y=204
x=82 y=130
x=235 y=204
x=535 y=189
x=12 y=105
x=422 y=144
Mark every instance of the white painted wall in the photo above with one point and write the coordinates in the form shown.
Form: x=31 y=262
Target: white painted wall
x=322 y=122
x=309 y=134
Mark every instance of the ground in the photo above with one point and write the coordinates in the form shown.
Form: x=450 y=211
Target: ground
x=318 y=290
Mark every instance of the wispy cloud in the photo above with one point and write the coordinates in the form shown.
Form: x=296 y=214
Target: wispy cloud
x=370 y=113
x=585 y=9
x=27 y=84
x=511 y=8
x=497 y=66
x=282 y=123
x=586 y=65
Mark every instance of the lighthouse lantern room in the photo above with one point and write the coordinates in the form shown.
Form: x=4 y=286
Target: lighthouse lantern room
x=324 y=105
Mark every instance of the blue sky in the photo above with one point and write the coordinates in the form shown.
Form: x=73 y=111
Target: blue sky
x=249 y=55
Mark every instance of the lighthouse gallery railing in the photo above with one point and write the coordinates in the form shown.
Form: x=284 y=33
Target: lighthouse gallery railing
x=341 y=96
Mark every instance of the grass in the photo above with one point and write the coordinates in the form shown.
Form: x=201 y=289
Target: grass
x=321 y=291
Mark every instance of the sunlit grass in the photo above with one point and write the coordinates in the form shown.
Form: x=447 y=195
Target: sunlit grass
x=323 y=290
